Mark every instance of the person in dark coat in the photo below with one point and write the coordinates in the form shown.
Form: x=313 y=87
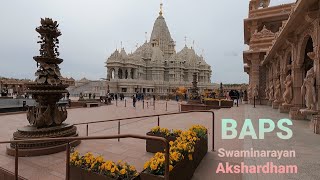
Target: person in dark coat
x=134 y=100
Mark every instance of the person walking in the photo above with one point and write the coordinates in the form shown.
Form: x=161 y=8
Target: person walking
x=134 y=100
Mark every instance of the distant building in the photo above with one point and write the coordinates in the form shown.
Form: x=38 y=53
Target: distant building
x=155 y=67
x=13 y=86
x=86 y=87
x=69 y=81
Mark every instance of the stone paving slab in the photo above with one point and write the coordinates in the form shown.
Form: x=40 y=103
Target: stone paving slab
x=133 y=151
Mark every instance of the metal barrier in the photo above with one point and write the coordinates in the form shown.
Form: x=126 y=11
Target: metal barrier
x=147 y=116
x=70 y=139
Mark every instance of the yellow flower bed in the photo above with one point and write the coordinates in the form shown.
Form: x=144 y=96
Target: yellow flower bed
x=89 y=162
x=182 y=147
x=201 y=131
x=165 y=131
x=212 y=99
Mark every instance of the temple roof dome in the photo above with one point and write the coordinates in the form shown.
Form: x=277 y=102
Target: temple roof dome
x=157 y=55
x=144 y=51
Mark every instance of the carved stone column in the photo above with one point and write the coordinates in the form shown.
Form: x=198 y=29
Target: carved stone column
x=129 y=73
x=116 y=70
x=136 y=76
x=255 y=70
x=297 y=101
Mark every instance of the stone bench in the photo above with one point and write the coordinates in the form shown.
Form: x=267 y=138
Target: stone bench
x=92 y=105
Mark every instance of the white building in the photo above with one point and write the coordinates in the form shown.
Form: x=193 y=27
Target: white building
x=155 y=67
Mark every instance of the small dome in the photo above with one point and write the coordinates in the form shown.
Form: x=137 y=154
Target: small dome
x=157 y=55
x=145 y=51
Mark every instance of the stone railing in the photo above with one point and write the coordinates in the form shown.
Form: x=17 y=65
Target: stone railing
x=271 y=11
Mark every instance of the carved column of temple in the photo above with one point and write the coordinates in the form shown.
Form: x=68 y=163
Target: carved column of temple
x=317 y=64
x=297 y=73
x=266 y=94
x=277 y=83
x=255 y=72
x=282 y=74
x=129 y=73
x=270 y=98
x=109 y=73
x=135 y=74
x=116 y=70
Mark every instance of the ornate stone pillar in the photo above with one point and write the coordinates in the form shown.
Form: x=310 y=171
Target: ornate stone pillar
x=255 y=74
x=109 y=73
x=136 y=76
x=116 y=70
x=298 y=81
x=129 y=73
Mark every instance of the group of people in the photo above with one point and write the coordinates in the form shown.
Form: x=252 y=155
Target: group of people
x=116 y=96
x=138 y=97
x=234 y=95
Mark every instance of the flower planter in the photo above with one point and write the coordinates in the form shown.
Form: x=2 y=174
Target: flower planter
x=226 y=104
x=200 y=150
x=76 y=173
x=154 y=146
x=184 y=169
x=211 y=102
x=181 y=171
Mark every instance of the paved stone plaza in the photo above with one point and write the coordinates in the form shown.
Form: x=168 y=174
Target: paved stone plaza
x=133 y=151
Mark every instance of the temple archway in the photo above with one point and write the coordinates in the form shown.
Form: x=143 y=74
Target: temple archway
x=112 y=73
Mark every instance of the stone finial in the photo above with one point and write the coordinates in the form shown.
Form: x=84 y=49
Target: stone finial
x=161 y=8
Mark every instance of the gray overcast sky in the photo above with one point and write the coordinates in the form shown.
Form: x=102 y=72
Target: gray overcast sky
x=91 y=31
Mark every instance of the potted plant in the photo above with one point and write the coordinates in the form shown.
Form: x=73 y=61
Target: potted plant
x=224 y=103
x=89 y=167
x=186 y=153
x=154 y=146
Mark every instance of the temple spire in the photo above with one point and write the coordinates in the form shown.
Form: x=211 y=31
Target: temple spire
x=146 y=36
x=161 y=8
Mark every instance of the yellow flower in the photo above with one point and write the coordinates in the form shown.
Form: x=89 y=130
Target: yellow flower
x=123 y=171
x=92 y=165
x=132 y=168
x=99 y=159
x=113 y=169
x=108 y=167
x=146 y=165
x=153 y=166
x=170 y=168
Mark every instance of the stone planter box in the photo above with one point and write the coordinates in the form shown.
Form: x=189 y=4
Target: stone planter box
x=154 y=146
x=212 y=103
x=184 y=169
x=76 y=173
x=226 y=104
